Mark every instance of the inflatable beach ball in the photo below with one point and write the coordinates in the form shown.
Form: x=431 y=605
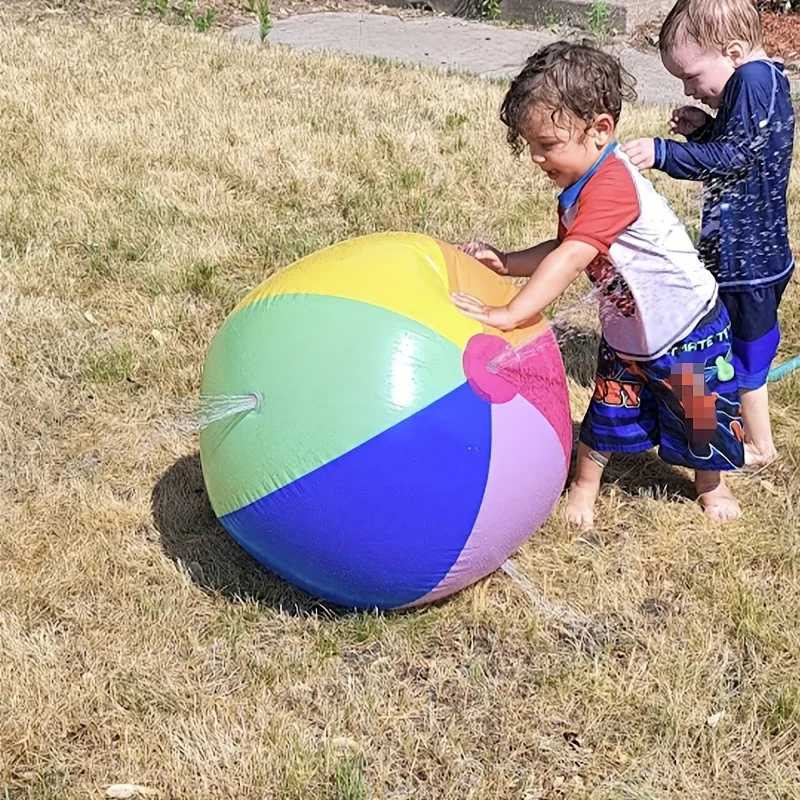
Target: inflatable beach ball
x=399 y=452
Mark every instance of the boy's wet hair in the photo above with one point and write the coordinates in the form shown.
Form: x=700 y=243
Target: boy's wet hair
x=566 y=77
x=711 y=24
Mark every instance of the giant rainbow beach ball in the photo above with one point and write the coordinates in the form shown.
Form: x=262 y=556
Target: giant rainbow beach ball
x=390 y=461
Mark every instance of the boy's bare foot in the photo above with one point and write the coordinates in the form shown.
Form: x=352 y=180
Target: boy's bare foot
x=580 y=506
x=716 y=498
x=756 y=458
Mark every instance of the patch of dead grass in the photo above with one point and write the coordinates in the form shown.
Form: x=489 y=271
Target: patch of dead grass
x=148 y=178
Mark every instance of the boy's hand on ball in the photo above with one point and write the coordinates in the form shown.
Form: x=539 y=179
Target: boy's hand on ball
x=489 y=256
x=641 y=152
x=687 y=119
x=499 y=317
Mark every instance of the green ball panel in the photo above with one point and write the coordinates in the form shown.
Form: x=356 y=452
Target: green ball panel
x=331 y=373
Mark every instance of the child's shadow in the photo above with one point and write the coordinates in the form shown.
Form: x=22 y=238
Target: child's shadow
x=644 y=474
x=191 y=536
x=634 y=474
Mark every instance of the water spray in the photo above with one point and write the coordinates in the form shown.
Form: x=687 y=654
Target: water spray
x=213 y=408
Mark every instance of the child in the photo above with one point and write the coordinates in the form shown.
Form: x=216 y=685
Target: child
x=664 y=376
x=743 y=156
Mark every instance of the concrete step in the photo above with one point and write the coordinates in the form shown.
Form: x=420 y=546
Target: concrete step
x=622 y=16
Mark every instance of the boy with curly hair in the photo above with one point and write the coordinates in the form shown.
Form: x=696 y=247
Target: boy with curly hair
x=664 y=376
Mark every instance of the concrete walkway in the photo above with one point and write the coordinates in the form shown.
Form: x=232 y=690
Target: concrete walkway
x=449 y=43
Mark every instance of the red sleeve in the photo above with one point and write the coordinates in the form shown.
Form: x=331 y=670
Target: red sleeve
x=608 y=204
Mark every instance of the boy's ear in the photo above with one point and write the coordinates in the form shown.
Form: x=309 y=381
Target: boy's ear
x=603 y=129
x=736 y=52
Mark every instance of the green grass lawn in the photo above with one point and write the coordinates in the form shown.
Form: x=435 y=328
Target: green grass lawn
x=148 y=177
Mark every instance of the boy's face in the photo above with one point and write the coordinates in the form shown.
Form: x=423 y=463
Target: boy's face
x=562 y=147
x=704 y=74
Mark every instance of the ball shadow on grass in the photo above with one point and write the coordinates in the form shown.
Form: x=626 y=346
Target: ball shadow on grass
x=192 y=536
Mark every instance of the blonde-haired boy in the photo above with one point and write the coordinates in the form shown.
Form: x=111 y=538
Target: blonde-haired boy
x=743 y=157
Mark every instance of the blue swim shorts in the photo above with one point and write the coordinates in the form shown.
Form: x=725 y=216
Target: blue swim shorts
x=756 y=334
x=686 y=402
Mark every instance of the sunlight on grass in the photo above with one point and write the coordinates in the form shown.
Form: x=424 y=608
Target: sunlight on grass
x=149 y=177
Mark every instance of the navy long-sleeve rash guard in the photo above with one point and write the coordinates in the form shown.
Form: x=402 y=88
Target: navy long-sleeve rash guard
x=743 y=156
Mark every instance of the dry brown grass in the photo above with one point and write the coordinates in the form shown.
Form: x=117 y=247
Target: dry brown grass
x=149 y=176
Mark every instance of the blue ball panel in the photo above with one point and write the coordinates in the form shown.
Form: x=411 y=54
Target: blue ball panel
x=380 y=526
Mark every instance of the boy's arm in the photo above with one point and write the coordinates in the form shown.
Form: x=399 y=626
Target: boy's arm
x=703 y=133
x=694 y=161
x=523 y=263
x=743 y=141
x=551 y=277
x=609 y=203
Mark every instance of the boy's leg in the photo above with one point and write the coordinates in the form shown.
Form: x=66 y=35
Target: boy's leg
x=621 y=418
x=700 y=413
x=585 y=486
x=756 y=335
x=715 y=497
x=759 y=446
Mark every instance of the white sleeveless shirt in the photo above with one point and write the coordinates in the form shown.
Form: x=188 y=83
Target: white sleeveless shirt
x=652 y=287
